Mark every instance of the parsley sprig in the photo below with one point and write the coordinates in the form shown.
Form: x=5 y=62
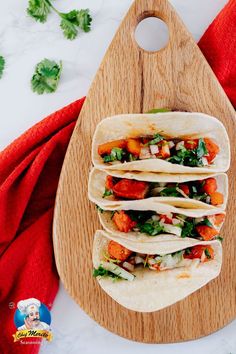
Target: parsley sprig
x=2 y=65
x=71 y=22
x=46 y=77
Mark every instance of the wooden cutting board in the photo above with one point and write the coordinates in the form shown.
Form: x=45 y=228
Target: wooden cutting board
x=131 y=80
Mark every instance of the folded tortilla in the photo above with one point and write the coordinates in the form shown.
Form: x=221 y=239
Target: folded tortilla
x=154 y=290
x=169 y=241
x=183 y=125
x=96 y=187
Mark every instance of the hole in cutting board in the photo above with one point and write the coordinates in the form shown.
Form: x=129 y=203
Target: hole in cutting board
x=151 y=34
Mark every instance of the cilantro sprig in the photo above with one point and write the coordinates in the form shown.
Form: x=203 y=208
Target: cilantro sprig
x=2 y=65
x=46 y=77
x=156 y=139
x=71 y=22
x=191 y=158
x=102 y=272
x=116 y=155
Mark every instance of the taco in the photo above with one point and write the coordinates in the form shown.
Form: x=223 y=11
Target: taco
x=113 y=190
x=172 y=142
x=148 y=281
x=167 y=224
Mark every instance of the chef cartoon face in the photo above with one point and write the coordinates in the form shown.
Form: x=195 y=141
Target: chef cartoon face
x=30 y=308
x=33 y=315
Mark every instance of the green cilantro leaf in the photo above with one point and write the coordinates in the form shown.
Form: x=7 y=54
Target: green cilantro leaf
x=207 y=253
x=99 y=209
x=107 y=193
x=46 y=77
x=69 y=29
x=206 y=222
x=219 y=238
x=170 y=192
x=156 y=139
x=188 y=229
x=39 y=9
x=2 y=65
x=102 y=272
x=115 y=155
x=151 y=228
x=201 y=149
x=73 y=20
x=70 y=22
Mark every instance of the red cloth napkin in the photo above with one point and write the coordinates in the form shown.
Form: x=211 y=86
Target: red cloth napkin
x=29 y=173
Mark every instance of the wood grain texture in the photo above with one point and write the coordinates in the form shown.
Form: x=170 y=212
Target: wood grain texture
x=131 y=80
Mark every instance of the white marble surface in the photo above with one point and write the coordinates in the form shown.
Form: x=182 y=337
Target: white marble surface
x=23 y=43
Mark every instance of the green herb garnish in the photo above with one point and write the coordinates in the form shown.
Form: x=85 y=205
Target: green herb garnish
x=191 y=158
x=188 y=229
x=107 y=193
x=70 y=22
x=102 y=272
x=156 y=139
x=170 y=192
x=46 y=77
x=116 y=155
x=206 y=222
x=99 y=209
x=2 y=65
x=219 y=238
x=201 y=149
x=207 y=253
x=152 y=228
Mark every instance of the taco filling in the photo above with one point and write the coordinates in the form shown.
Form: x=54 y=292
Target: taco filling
x=130 y=189
x=189 y=152
x=119 y=262
x=153 y=224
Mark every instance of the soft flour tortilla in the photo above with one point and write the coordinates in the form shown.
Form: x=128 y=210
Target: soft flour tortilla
x=151 y=291
x=97 y=179
x=181 y=125
x=168 y=240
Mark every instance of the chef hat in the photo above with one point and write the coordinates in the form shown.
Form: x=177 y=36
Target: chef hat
x=25 y=306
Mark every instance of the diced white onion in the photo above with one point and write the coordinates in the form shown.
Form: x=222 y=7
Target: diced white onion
x=168 y=262
x=151 y=261
x=136 y=229
x=171 y=144
x=154 y=149
x=204 y=161
x=157 y=190
x=176 y=221
x=198 y=220
x=162 y=184
x=179 y=145
x=208 y=199
x=181 y=192
x=128 y=266
x=114 y=268
x=155 y=217
x=171 y=229
x=144 y=153
x=138 y=260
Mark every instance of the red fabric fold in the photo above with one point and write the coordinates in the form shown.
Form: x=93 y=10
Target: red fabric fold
x=29 y=173
x=218 y=44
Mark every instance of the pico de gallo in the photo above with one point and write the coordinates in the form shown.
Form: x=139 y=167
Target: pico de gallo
x=120 y=262
x=153 y=224
x=129 y=189
x=187 y=152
